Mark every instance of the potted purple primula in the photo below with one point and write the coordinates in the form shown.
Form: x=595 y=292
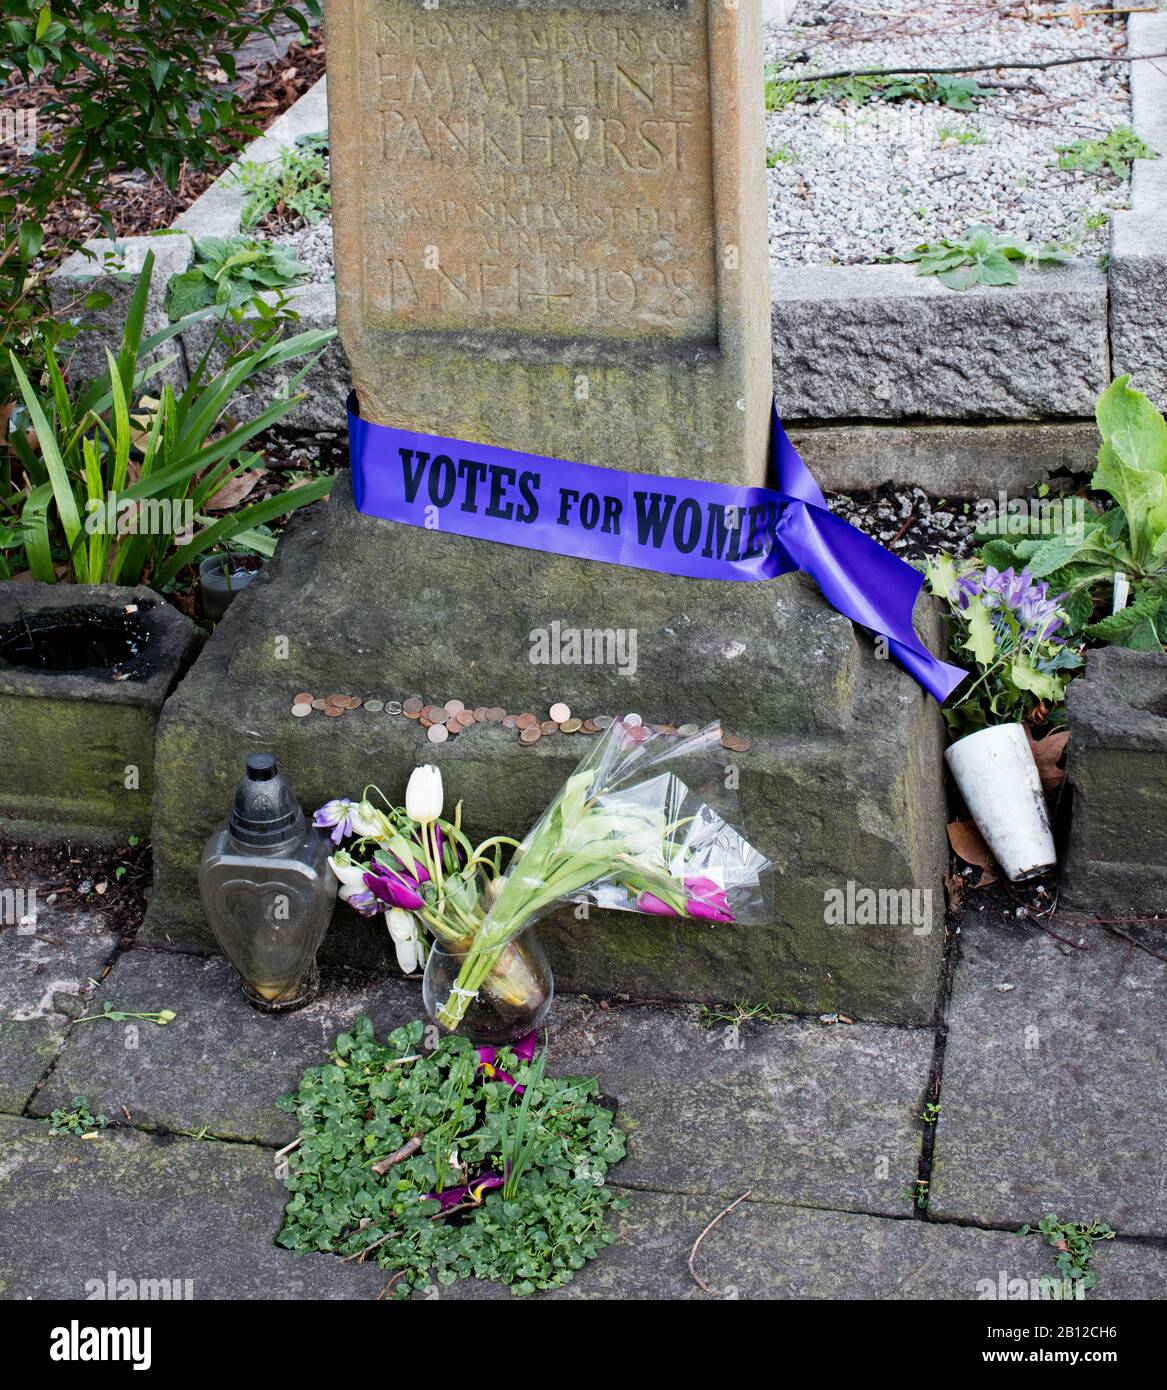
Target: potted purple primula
x=1008 y=623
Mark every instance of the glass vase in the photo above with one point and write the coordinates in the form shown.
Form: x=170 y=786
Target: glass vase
x=514 y=999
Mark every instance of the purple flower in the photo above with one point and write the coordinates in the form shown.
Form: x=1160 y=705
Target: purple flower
x=468 y=1192
x=397 y=890
x=366 y=903
x=524 y=1050
x=336 y=813
x=706 y=899
x=1026 y=598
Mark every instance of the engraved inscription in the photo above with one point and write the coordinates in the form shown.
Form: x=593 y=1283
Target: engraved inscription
x=543 y=171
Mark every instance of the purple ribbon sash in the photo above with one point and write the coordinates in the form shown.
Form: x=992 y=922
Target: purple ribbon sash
x=671 y=525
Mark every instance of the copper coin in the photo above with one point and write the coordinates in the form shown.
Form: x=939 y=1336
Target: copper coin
x=509 y=721
x=735 y=743
x=438 y=733
x=302 y=708
x=413 y=705
x=451 y=726
x=585 y=730
x=666 y=728
x=435 y=714
x=496 y=714
x=637 y=733
x=317 y=704
x=559 y=712
x=354 y=703
x=336 y=700
x=466 y=718
x=305 y=698
x=481 y=714
x=525 y=721
x=571 y=726
x=548 y=726
x=392 y=706
x=374 y=706
x=530 y=735
x=334 y=711
x=454 y=706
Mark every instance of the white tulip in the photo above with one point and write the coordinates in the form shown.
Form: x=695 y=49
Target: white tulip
x=351 y=875
x=407 y=956
x=423 y=795
x=401 y=924
x=403 y=929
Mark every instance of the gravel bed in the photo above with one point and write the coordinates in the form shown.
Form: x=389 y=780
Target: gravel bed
x=312 y=246
x=908 y=522
x=853 y=184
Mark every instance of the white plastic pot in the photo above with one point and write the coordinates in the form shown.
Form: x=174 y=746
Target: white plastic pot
x=998 y=779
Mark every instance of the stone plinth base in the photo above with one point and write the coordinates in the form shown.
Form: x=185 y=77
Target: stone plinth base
x=842 y=782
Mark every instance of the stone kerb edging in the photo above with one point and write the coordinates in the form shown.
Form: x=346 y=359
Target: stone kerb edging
x=1138 y=238
x=882 y=374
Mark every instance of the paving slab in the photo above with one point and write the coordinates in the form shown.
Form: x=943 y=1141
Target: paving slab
x=80 y=1216
x=1054 y=1092
x=221 y=1063
x=48 y=953
x=821 y=1115
x=762 y=1251
x=800 y=1111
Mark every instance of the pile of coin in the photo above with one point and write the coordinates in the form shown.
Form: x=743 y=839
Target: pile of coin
x=443 y=722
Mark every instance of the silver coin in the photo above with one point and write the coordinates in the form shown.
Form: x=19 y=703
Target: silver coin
x=632 y=721
x=687 y=730
x=602 y=721
x=301 y=710
x=374 y=706
x=392 y=706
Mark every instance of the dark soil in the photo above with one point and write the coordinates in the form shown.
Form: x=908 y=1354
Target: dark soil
x=136 y=204
x=87 y=875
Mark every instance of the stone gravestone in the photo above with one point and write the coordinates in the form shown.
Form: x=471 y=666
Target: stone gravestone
x=550 y=232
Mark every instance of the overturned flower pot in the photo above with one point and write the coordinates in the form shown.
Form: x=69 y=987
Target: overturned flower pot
x=84 y=670
x=998 y=778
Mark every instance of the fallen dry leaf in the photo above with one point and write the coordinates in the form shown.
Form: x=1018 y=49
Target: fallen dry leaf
x=234 y=491
x=1047 y=753
x=969 y=845
x=954 y=889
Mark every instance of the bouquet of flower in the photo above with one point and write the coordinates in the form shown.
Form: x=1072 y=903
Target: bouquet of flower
x=410 y=864
x=1012 y=628
x=624 y=832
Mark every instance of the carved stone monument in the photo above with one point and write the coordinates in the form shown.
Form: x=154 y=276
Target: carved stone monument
x=550 y=234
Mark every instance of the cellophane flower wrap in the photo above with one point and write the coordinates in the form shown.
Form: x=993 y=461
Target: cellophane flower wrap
x=644 y=824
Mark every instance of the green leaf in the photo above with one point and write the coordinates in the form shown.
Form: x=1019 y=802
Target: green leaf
x=995 y=269
x=1142 y=625
x=962 y=278
x=1026 y=677
x=981 y=641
